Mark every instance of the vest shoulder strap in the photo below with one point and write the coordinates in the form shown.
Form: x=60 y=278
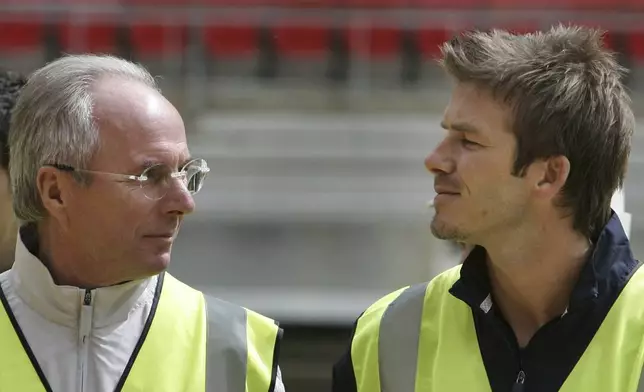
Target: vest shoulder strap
x=615 y=355
x=214 y=343
x=243 y=348
x=378 y=334
x=178 y=326
x=19 y=369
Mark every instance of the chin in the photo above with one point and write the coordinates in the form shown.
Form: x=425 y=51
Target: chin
x=444 y=230
x=155 y=264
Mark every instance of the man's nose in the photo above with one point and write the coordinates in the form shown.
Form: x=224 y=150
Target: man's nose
x=439 y=160
x=179 y=199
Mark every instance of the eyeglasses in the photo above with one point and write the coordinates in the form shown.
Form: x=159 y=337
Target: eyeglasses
x=156 y=180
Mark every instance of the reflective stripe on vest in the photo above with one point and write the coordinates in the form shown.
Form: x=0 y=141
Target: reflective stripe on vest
x=172 y=354
x=242 y=349
x=423 y=339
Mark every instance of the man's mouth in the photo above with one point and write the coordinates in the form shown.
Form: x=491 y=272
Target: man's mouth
x=161 y=235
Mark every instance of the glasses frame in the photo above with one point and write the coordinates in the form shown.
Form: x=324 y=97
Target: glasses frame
x=141 y=179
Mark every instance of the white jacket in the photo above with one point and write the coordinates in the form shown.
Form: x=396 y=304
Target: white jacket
x=78 y=347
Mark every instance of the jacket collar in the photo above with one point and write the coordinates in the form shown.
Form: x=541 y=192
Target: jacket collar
x=609 y=266
x=34 y=284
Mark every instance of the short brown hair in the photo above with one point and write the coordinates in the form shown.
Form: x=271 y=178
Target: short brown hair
x=567 y=97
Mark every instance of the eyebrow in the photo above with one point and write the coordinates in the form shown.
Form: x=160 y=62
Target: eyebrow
x=185 y=161
x=152 y=162
x=461 y=127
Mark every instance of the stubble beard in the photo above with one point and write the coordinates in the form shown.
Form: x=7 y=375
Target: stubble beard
x=446 y=232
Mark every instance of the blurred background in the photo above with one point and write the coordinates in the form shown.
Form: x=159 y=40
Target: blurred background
x=315 y=117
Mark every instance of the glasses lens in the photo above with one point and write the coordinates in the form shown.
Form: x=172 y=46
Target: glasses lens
x=159 y=178
x=196 y=172
x=157 y=181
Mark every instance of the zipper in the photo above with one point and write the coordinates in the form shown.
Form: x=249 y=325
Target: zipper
x=519 y=383
x=84 y=330
x=513 y=346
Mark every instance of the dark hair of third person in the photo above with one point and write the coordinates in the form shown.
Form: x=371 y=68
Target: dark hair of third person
x=10 y=85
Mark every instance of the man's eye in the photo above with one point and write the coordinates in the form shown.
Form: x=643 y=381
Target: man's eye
x=156 y=174
x=468 y=143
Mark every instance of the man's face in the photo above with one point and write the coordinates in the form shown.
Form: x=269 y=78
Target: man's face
x=5 y=193
x=477 y=195
x=112 y=220
x=8 y=228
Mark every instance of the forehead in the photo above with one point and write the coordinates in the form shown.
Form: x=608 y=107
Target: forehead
x=476 y=109
x=137 y=125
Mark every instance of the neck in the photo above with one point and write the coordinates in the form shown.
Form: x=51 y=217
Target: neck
x=66 y=265
x=532 y=274
x=8 y=225
x=8 y=232
x=7 y=253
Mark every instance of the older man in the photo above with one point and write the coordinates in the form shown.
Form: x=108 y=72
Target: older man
x=10 y=84
x=102 y=178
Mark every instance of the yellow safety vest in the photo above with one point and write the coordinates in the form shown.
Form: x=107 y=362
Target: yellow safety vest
x=423 y=339
x=191 y=343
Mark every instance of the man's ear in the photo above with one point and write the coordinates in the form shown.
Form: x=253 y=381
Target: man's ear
x=53 y=188
x=554 y=172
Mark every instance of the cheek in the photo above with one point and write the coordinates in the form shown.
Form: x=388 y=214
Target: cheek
x=105 y=231
x=5 y=199
x=475 y=174
x=105 y=214
x=483 y=170
x=5 y=188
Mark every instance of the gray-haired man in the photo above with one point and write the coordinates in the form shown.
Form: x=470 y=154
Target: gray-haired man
x=102 y=178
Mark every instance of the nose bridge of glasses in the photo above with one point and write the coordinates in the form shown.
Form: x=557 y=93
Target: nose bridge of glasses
x=164 y=183
x=158 y=189
x=181 y=176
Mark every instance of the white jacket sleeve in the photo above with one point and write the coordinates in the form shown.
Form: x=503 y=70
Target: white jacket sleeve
x=279 y=385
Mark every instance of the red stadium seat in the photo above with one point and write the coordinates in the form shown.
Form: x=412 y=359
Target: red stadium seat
x=302 y=38
x=636 y=47
x=376 y=42
x=237 y=40
x=377 y=3
x=312 y=3
x=451 y=4
x=94 y=36
x=611 y=5
x=632 y=5
x=20 y=33
x=235 y=3
x=157 y=3
x=431 y=39
x=36 y=3
x=530 y=4
x=445 y=4
x=157 y=38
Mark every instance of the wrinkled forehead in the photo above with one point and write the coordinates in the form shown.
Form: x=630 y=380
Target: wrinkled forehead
x=137 y=125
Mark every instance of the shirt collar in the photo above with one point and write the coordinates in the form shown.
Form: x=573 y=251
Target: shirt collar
x=609 y=266
x=34 y=284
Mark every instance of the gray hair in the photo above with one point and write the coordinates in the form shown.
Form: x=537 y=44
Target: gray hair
x=567 y=98
x=53 y=123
